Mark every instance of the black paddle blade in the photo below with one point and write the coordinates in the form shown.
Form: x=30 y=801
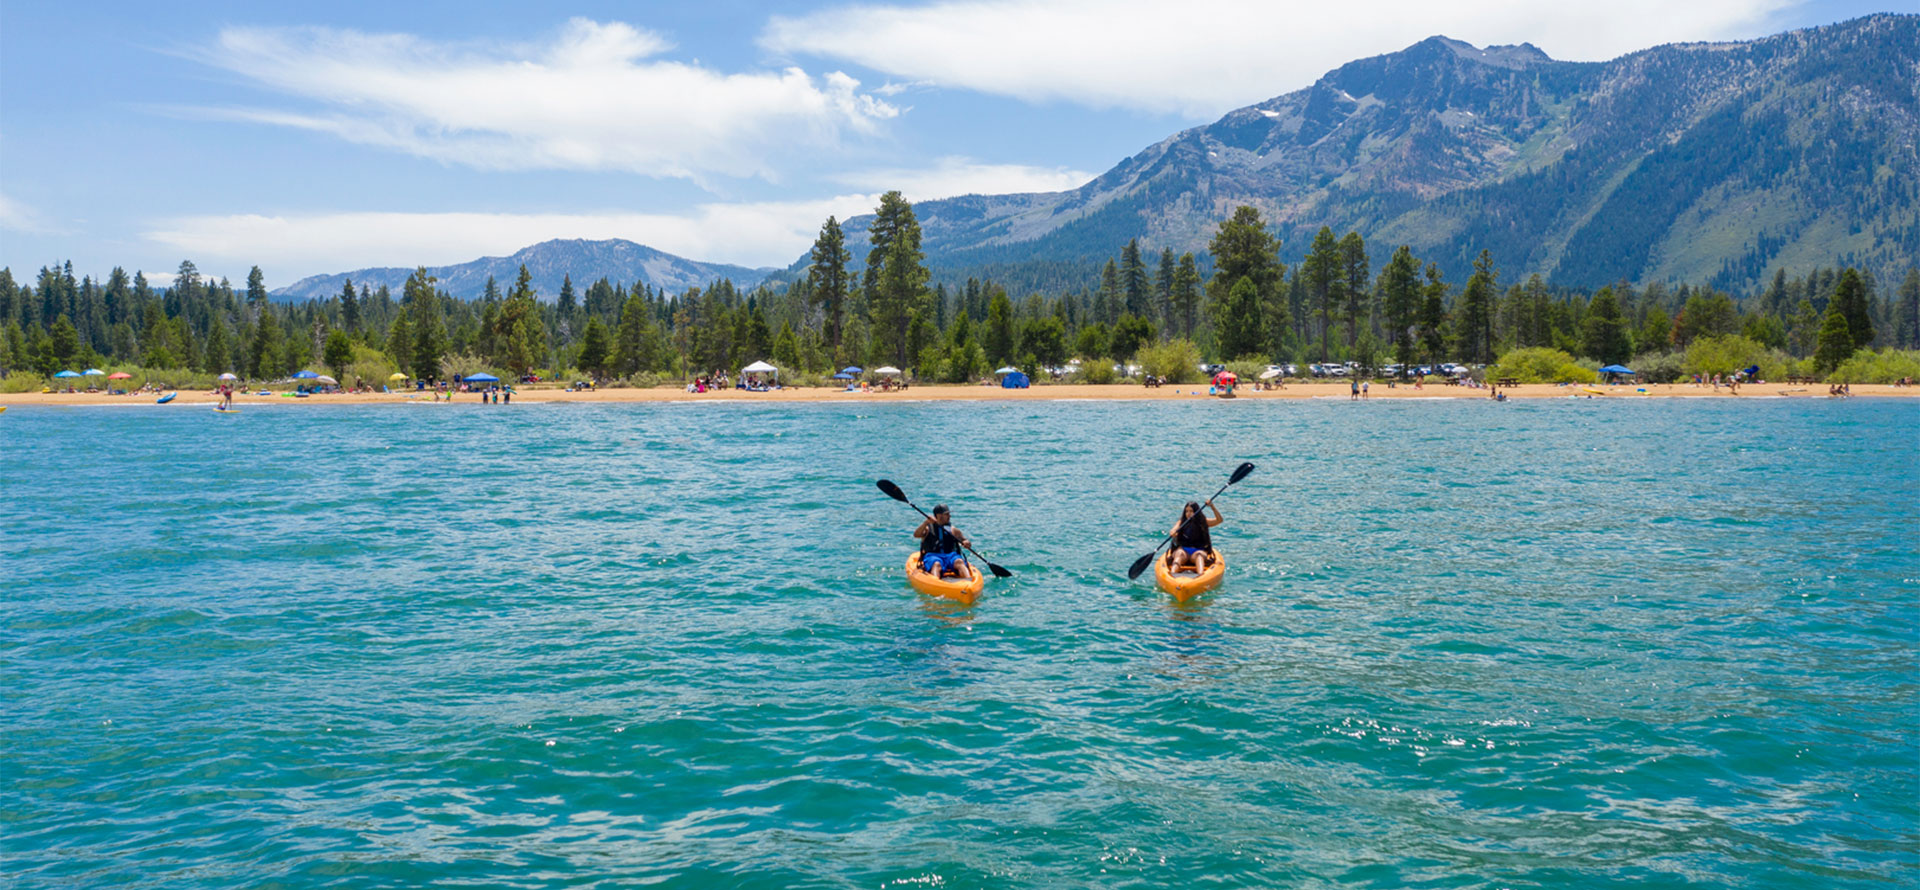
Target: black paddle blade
x=1140 y=565
x=998 y=571
x=893 y=491
x=1240 y=473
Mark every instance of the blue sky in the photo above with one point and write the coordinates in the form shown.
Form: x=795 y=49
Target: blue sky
x=312 y=138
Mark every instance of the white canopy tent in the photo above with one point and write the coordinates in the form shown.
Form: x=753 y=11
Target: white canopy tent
x=761 y=368
x=888 y=370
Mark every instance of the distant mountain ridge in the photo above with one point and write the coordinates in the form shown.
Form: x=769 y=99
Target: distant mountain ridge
x=549 y=262
x=1699 y=162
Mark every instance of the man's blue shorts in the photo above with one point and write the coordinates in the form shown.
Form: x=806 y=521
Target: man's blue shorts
x=944 y=561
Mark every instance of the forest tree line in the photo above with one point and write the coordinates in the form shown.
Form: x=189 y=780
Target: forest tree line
x=1328 y=305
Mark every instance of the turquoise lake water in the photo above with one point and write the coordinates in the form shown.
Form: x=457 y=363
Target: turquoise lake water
x=1536 y=644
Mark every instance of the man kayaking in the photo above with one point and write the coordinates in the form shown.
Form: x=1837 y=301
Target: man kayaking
x=940 y=546
x=1192 y=544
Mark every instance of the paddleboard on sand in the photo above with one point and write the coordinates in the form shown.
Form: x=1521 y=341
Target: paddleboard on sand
x=1597 y=392
x=166 y=398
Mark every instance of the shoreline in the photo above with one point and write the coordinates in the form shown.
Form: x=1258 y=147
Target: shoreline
x=975 y=393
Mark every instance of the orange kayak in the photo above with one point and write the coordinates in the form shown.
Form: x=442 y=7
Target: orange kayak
x=964 y=590
x=1186 y=584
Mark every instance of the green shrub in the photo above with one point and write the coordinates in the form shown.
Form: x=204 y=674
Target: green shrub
x=1730 y=353
x=1660 y=367
x=1883 y=366
x=1246 y=369
x=21 y=381
x=1176 y=360
x=1539 y=364
x=1096 y=370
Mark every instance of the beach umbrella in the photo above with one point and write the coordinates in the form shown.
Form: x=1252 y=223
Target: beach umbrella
x=327 y=380
x=1270 y=373
x=92 y=372
x=843 y=376
x=1007 y=370
x=1616 y=369
x=119 y=375
x=850 y=370
x=396 y=376
x=66 y=374
x=889 y=369
x=304 y=375
x=482 y=377
x=228 y=376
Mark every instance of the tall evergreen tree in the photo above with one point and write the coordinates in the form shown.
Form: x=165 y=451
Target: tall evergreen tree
x=1354 y=274
x=1322 y=269
x=1433 y=316
x=256 y=288
x=349 y=308
x=1133 y=280
x=595 y=348
x=1163 y=291
x=1400 y=299
x=1850 y=294
x=827 y=280
x=899 y=280
x=1476 y=311
x=1906 y=313
x=1243 y=248
x=1603 y=333
x=1184 y=297
x=999 y=339
x=1836 y=339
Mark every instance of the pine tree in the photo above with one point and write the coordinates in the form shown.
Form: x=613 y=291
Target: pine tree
x=256 y=288
x=827 y=280
x=1476 y=311
x=1433 y=316
x=1321 y=270
x=897 y=275
x=262 y=361
x=1836 y=339
x=594 y=348
x=998 y=341
x=1850 y=294
x=1353 y=269
x=1163 y=291
x=1133 y=279
x=1906 y=314
x=1400 y=298
x=429 y=331
x=337 y=353
x=1184 y=298
x=349 y=308
x=1243 y=249
x=1107 y=302
x=1603 y=333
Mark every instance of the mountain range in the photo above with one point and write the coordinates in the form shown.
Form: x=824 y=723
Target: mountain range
x=549 y=263
x=1703 y=162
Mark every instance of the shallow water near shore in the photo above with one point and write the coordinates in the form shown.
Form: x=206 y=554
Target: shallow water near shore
x=1460 y=644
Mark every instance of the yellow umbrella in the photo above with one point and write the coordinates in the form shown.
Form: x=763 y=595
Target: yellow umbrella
x=397 y=376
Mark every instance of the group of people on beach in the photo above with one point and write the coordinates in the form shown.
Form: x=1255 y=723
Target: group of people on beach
x=941 y=543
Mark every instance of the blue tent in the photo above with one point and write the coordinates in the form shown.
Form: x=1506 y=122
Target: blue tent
x=1616 y=369
x=1015 y=380
x=481 y=378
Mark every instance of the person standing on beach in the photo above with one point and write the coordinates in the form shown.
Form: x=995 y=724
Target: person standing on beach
x=1364 y=385
x=1353 y=390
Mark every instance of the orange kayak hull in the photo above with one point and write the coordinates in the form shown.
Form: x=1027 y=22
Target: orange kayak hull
x=957 y=589
x=1186 y=584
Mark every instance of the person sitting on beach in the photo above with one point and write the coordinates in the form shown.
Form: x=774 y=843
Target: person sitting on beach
x=1192 y=543
x=940 y=545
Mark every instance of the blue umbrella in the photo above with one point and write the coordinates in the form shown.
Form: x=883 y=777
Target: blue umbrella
x=850 y=370
x=92 y=372
x=843 y=376
x=481 y=378
x=304 y=375
x=1616 y=369
x=64 y=374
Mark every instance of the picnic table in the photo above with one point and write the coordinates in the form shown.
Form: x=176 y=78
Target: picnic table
x=1509 y=381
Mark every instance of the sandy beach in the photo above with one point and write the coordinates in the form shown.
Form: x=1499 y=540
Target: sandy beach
x=1330 y=390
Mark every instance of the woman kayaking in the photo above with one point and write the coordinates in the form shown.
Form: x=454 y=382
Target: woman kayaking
x=940 y=546
x=1192 y=544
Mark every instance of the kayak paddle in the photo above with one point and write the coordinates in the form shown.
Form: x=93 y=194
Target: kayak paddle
x=893 y=491
x=1140 y=565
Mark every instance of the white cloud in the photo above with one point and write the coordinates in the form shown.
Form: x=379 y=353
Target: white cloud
x=18 y=217
x=591 y=98
x=950 y=176
x=1205 y=56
